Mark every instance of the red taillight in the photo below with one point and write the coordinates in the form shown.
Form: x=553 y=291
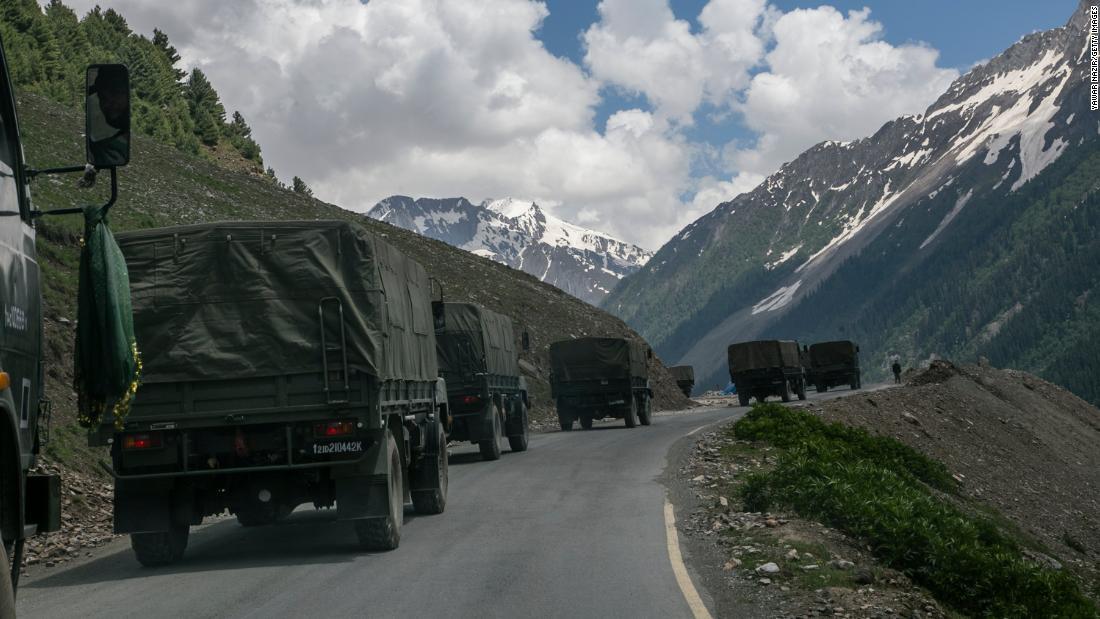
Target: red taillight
x=470 y=399
x=334 y=428
x=151 y=440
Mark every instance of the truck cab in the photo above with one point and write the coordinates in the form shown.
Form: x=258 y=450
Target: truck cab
x=30 y=503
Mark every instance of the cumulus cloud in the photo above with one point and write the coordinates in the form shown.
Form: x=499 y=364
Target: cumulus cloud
x=460 y=97
x=832 y=77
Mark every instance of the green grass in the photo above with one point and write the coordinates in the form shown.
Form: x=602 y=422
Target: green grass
x=884 y=493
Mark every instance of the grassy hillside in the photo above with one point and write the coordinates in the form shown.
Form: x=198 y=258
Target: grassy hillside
x=163 y=186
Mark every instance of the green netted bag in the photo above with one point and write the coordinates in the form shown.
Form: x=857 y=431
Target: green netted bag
x=107 y=367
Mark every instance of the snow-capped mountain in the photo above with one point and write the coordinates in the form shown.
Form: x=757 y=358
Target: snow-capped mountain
x=918 y=239
x=582 y=262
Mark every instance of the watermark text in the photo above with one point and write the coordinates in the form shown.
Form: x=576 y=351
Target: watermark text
x=1094 y=58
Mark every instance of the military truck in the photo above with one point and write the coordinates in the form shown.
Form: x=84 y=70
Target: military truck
x=486 y=395
x=833 y=364
x=598 y=378
x=684 y=375
x=284 y=363
x=31 y=503
x=766 y=368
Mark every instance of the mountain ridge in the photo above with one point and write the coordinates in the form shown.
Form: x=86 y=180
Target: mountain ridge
x=738 y=270
x=518 y=233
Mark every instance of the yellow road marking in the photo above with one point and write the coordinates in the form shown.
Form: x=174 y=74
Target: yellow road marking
x=691 y=596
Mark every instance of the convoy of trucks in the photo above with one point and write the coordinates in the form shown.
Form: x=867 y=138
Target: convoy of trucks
x=486 y=395
x=296 y=362
x=600 y=377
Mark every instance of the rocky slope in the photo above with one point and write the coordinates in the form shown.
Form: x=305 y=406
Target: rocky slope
x=585 y=263
x=965 y=230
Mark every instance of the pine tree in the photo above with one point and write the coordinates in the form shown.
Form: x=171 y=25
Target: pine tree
x=300 y=186
x=161 y=41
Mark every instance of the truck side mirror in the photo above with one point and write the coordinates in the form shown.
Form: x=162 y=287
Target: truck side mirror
x=525 y=341
x=107 y=115
x=438 y=317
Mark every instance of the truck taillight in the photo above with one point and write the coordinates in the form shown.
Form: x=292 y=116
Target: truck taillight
x=470 y=399
x=149 y=440
x=334 y=428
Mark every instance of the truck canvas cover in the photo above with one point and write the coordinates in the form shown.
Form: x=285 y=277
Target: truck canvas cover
x=476 y=340
x=825 y=354
x=682 y=373
x=591 y=358
x=242 y=299
x=763 y=354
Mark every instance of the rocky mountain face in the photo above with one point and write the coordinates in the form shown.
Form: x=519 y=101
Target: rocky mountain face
x=585 y=263
x=972 y=229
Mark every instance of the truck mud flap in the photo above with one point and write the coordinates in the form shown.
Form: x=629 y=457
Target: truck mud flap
x=149 y=506
x=363 y=493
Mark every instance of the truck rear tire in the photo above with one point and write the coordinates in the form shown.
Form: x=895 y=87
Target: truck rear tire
x=630 y=416
x=429 y=480
x=490 y=448
x=822 y=388
x=565 y=420
x=385 y=533
x=7 y=594
x=518 y=442
x=743 y=399
x=801 y=390
x=644 y=410
x=586 y=421
x=160 y=547
x=856 y=383
x=786 y=395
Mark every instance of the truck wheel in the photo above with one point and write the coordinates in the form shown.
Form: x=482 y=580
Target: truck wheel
x=565 y=420
x=490 y=448
x=644 y=410
x=161 y=547
x=586 y=421
x=856 y=384
x=7 y=594
x=518 y=442
x=786 y=395
x=385 y=533
x=801 y=390
x=258 y=515
x=822 y=388
x=743 y=399
x=429 y=480
x=630 y=416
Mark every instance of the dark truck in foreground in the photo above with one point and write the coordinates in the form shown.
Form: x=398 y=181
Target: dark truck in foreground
x=486 y=396
x=833 y=364
x=284 y=363
x=766 y=368
x=600 y=377
x=30 y=503
x=684 y=375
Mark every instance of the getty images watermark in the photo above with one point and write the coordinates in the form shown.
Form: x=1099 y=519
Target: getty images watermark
x=1094 y=55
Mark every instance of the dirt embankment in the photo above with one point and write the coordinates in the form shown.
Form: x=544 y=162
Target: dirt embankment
x=1024 y=447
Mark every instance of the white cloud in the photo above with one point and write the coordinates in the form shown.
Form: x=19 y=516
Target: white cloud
x=832 y=77
x=460 y=97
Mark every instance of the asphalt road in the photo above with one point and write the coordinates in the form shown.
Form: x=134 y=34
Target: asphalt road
x=574 y=527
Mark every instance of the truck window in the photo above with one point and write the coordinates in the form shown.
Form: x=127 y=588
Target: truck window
x=9 y=147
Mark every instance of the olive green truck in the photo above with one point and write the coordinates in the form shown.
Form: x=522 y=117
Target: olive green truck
x=767 y=368
x=487 y=397
x=598 y=378
x=283 y=363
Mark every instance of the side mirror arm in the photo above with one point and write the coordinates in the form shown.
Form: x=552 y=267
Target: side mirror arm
x=76 y=209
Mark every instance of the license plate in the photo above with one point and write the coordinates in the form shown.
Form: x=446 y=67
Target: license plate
x=338 y=447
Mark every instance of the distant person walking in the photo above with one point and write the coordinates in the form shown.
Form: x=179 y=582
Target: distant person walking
x=897 y=372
